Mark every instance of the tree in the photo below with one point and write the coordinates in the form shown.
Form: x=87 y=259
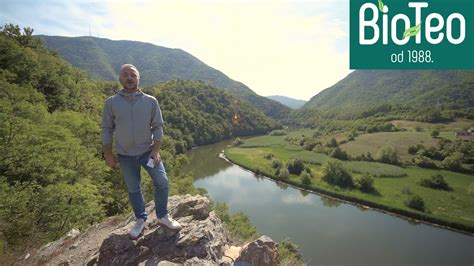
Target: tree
x=366 y=183
x=388 y=155
x=306 y=178
x=453 y=162
x=416 y=202
x=335 y=174
x=295 y=166
x=435 y=133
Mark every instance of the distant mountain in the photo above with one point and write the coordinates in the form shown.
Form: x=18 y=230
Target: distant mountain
x=363 y=89
x=290 y=102
x=102 y=59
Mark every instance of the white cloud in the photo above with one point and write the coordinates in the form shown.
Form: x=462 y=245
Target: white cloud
x=275 y=47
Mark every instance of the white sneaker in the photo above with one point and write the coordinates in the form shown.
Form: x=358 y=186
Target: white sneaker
x=137 y=228
x=169 y=222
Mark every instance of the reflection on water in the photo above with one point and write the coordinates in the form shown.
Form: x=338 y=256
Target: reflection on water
x=327 y=230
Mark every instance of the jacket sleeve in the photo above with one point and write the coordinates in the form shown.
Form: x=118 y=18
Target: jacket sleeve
x=156 y=121
x=108 y=124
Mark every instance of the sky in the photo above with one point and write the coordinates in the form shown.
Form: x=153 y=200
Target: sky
x=290 y=48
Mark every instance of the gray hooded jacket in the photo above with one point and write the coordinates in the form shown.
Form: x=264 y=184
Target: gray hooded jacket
x=136 y=120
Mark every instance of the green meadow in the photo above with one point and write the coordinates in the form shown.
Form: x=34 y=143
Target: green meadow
x=394 y=185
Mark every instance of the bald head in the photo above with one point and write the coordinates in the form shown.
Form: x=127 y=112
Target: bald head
x=129 y=77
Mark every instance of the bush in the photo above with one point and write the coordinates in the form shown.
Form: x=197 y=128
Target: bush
x=276 y=163
x=453 y=162
x=339 y=154
x=470 y=189
x=306 y=178
x=309 y=145
x=283 y=173
x=425 y=162
x=308 y=170
x=295 y=166
x=436 y=182
x=319 y=149
x=416 y=202
x=435 y=133
x=332 y=143
x=278 y=133
x=388 y=155
x=335 y=174
x=413 y=149
x=366 y=183
x=268 y=156
x=289 y=254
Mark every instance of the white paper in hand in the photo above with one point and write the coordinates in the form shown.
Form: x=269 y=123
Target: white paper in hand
x=151 y=163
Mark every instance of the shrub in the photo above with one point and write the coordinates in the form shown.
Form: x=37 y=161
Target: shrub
x=289 y=254
x=435 y=133
x=276 y=163
x=335 y=174
x=413 y=149
x=436 y=182
x=425 y=162
x=453 y=162
x=306 y=178
x=406 y=190
x=366 y=183
x=416 y=202
x=309 y=145
x=339 y=154
x=295 y=166
x=470 y=189
x=283 y=173
x=319 y=149
x=332 y=143
x=308 y=170
x=268 y=156
x=278 y=133
x=388 y=155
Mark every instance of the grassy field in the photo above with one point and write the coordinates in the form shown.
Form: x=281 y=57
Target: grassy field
x=449 y=208
x=373 y=142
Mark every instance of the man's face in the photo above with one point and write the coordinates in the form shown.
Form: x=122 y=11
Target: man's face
x=129 y=78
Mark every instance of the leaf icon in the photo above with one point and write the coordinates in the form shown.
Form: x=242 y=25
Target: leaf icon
x=412 y=31
x=381 y=5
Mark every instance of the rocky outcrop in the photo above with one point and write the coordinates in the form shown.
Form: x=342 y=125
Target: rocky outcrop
x=202 y=241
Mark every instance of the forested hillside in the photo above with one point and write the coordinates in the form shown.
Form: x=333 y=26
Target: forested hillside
x=421 y=95
x=102 y=58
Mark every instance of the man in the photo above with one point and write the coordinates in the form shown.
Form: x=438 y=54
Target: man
x=136 y=120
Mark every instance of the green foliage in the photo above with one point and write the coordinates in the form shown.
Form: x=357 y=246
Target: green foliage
x=289 y=253
x=200 y=114
x=305 y=178
x=283 y=173
x=425 y=162
x=332 y=143
x=416 y=202
x=237 y=224
x=470 y=189
x=435 y=133
x=436 y=182
x=335 y=174
x=365 y=183
x=339 y=154
x=276 y=163
x=295 y=166
x=388 y=155
x=453 y=162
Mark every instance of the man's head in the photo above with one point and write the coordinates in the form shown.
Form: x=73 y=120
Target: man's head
x=129 y=77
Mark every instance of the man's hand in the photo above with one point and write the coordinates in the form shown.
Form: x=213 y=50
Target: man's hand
x=155 y=155
x=111 y=160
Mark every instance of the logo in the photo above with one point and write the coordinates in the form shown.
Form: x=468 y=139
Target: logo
x=402 y=34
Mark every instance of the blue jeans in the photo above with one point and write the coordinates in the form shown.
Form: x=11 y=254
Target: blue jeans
x=131 y=166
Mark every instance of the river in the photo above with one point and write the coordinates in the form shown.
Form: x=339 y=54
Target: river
x=326 y=230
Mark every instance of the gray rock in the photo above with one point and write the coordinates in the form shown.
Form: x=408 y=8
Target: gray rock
x=262 y=252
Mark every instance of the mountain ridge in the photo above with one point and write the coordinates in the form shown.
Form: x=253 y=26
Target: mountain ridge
x=103 y=57
x=288 y=101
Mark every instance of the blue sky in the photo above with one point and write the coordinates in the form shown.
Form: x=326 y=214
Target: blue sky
x=291 y=48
